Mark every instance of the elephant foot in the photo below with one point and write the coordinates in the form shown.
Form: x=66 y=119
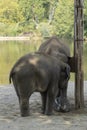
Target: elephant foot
x=61 y=105
x=25 y=112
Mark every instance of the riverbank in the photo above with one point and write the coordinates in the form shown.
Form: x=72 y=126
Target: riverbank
x=20 y=38
x=14 y=38
x=10 y=118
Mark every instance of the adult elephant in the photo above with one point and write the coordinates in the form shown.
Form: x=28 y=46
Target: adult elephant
x=61 y=51
x=36 y=72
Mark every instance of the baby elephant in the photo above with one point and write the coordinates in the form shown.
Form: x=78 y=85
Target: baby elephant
x=41 y=73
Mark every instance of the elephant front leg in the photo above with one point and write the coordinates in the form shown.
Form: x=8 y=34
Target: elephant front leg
x=57 y=102
x=65 y=105
x=24 y=107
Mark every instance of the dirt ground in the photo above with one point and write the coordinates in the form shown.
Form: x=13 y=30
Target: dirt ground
x=10 y=118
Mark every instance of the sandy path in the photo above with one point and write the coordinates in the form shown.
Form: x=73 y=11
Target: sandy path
x=10 y=118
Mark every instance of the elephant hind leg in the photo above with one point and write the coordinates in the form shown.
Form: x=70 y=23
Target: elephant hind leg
x=24 y=106
x=51 y=95
x=44 y=98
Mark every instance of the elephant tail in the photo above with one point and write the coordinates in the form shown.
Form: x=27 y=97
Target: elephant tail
x=11 y=75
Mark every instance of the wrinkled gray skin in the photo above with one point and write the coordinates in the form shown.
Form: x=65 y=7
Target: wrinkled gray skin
x=41 y=73
x=62 y=52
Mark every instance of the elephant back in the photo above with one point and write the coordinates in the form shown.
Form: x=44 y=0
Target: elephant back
x=53 y=46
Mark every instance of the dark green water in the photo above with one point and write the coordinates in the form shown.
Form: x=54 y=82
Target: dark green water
x=10 y=51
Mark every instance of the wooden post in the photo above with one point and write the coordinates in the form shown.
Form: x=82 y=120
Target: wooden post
x=78 y=53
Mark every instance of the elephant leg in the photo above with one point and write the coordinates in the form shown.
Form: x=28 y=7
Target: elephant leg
x=59 y=93
x=24 y=106
x=51 y=95
x=44 y=97
x=49 y=104
x=65 y=106
x=57 y=102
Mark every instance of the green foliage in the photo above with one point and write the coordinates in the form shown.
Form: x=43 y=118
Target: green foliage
x=85 y=18
x=9 y=12
x=64 y=18
x=32 y=9
x=47 y=17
